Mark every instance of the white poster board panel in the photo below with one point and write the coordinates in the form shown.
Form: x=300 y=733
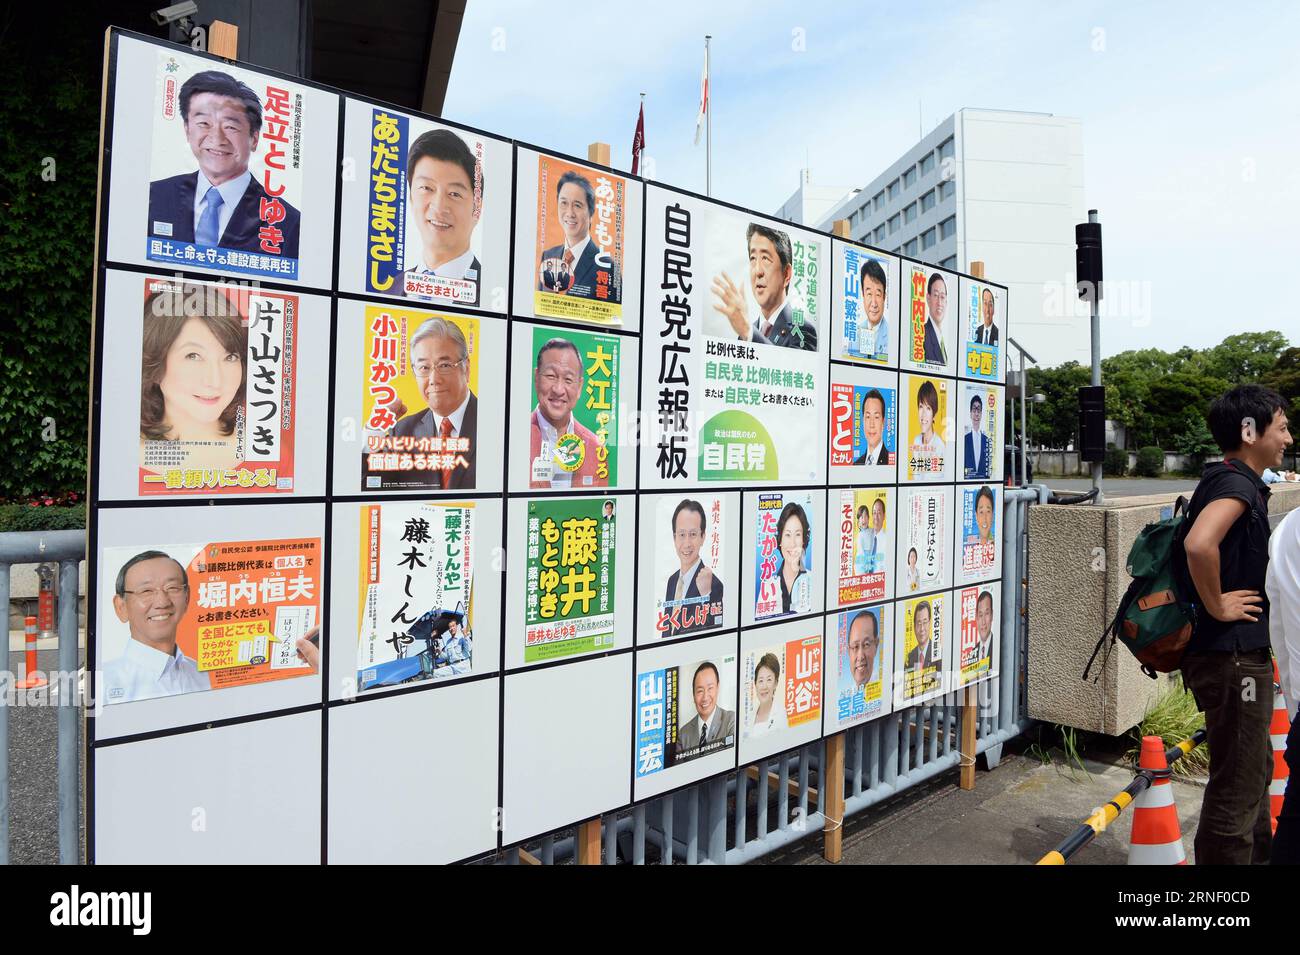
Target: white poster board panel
x=247 y=794
x=978 y=641
x=390 y=399
x=577 y=242
x=860 y=544
x=977 y=554
x=782 y=554
x=927 y=450
x=566 y=732
x=222 y=362
x=930 y=320
x=384 y=638
x=923 y=657
x=389 y=756
x=734 y=383
x=249 y=593
x=678 y=687
x=859 y=666
x=687 y=541
x=269 y=147
x=980 y=414
x=571 y=587
x=781 y=695
x=425 y=210
x=864 y=430
x=925 y=537
x=865 y=305
x=983 y=312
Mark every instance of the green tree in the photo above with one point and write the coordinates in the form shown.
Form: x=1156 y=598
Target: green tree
x=1284 y=378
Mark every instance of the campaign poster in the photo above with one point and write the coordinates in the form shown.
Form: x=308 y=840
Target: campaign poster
x=569 y=577
x=926 y=422
x=573 y=409
x=979 y=547
x=218 y=370
x=783 y=554
x=979 y=609
x=208 y=616
x=865 y=305
x=735 y=327
x=864 y=428
x=859 y=665
x=694 y=545
x=931 y=314
x=419 y=400
x=416 y=587
x=921 y=648
x=924 y=539
x=580 y=252
x=782 y=686
x=979 y=416
x=681 y=713
x=983 y=329
x=863 y=527
x=226 y=169
x=432 y=202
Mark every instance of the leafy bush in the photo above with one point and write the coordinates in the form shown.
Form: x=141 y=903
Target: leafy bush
x=35 y=517
x=1150 y=462
x=1196 y=441
x=1116 y=463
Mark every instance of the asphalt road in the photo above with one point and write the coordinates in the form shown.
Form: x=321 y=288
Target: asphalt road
x=1123 y=487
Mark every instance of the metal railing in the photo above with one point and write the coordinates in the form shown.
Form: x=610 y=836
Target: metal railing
x=68 y=548
x=760 y=809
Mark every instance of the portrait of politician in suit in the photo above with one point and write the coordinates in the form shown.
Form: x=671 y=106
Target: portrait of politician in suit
x=979 y=449
x=710 y=725
x=693 y=585
x=440 y=361
x=561 y=452
x=578 y=266
x=925 y=653
x=936 y=300
x=986 y=333
x=873 y=430
x=220 y=204
x=444 y=189
x=770 y=272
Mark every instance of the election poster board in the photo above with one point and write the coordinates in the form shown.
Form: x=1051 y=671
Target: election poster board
x=926 y=429
x=931 y=316
x=864 y=435
x=859 y=666
x=865 y=305
x=735 y=331
x=782 y=566
x=979 y=413
x=922 y=648
x=860 y=545
x=925 y=522
x=780 y=688
x=690 y=541
x=983 y=329
x=685 y=719
x=978 y=554
x=238 y=168
x=425 y=210
x=979 y=619
x=577 y=231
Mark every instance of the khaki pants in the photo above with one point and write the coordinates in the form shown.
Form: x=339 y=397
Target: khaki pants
x=1235 y=691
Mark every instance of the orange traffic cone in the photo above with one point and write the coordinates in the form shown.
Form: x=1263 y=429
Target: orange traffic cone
x=1278 y=730
x=1156 y=839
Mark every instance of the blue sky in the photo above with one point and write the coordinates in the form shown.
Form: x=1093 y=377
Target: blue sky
x=1191 y=116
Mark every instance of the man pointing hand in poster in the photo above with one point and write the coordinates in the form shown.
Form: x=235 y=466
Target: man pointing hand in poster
x=770 y=271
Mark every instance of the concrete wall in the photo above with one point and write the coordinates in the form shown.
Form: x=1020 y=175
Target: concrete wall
x=1077 y=575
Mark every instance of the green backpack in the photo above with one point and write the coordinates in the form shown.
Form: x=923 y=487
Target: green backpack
x=1154 y=619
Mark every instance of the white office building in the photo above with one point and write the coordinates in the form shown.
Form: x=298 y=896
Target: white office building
x=998 y=186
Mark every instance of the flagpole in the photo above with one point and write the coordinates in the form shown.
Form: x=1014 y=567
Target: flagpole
x=708 y=124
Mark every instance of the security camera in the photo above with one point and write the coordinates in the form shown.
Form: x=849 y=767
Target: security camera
x=177 y=11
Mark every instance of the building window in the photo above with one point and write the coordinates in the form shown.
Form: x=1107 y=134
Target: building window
x=946 y=190
x=946 y=149
x=927 y=239
x=927 y=164
x=879 y=201
x=897 y=249
x=910 y=248
x=880 y=233
x=947 y=227
x=893 y=190
x=894 y=222
x=927 y=201
x=909 y=213
x=949 y=263
x=909 y=178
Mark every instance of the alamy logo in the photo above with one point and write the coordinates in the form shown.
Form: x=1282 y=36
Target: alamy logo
x=103 y=908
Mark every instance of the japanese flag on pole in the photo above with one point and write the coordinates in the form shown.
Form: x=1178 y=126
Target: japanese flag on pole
x=704 y=97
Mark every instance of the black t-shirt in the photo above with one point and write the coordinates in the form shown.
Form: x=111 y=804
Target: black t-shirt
x=1243 y=556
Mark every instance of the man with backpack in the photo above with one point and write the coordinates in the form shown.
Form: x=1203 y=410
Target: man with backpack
x=1227 y=665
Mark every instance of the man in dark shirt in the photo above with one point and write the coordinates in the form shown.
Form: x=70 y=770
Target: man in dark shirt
x=1227 y=665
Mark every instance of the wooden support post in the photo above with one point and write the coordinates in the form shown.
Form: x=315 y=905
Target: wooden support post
x=223 y=39
x=527 y=858
x=589 y=842
x=970 y=698
x=774 y=782
x=840 y=227
x=599 y=153
x=833 y=807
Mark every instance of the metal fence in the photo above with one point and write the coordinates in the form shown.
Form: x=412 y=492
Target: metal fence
x=68 y=548
x=765 y=807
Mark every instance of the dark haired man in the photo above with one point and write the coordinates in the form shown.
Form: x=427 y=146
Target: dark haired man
x=221 y=204
x=873 y=332
x=444 y=188
x=873 y=430
x=711 y=724
x=578 y=266
x=936 y=300
x=693 y=586
x=770 y=271
x=1227 y=664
